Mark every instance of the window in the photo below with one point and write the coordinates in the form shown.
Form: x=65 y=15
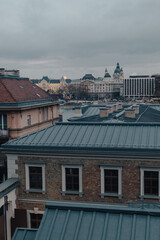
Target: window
x=111 y=181
x=28 y=120
x=35 y=177
x=35 y=220
x=72 y=179
x=150 y=182
x=3 y=121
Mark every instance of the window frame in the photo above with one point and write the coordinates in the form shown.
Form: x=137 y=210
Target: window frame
x=64 y=191
x=28 y=189
x=149 y=169
x=29 y=212
x=29 y=120
x=103 y=193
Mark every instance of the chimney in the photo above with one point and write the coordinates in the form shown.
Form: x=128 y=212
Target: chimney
x=78 y=111
x=110 y=108
x=130 y=113
x=136 y=108
x=104 y=112
x=119 y=105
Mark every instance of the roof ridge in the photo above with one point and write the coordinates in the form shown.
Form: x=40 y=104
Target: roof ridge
x=8 y=90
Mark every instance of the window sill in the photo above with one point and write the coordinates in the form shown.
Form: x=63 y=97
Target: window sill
x=72 y=193
x=111 y=195
x=149 y=197
x=35 y=191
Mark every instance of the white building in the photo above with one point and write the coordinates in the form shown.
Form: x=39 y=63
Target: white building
x=139 y=86
x=104 y=87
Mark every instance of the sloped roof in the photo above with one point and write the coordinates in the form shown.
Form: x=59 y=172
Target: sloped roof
x=84 y=137
x=75 y=221
x=19 y=90
x=24 y=234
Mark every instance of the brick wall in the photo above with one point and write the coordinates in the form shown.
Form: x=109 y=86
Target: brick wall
x=90 y=180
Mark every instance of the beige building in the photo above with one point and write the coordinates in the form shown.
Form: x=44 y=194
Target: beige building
x=51 y=85
x=24 y=108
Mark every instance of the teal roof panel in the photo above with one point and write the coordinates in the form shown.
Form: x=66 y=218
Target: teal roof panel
x=100 y=137
x=77 y=221
x=24 y=234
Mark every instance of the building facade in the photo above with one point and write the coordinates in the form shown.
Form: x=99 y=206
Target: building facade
x=139 y=86
x=24 y=108
x=114 y=163
x=99 y=88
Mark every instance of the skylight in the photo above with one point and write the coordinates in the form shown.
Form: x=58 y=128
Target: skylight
x=38 y=95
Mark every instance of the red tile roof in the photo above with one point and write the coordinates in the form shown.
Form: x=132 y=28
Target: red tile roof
x=20 y=90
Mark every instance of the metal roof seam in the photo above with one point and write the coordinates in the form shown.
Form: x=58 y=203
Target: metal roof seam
x=78 y=226
x=133 y=227
x=90 y=137
x=65 y=225
x=51 y=225
x=41 y=224
x=89 y=237
x=70 y=134
x=47 y=142
x=147 y=228
x=73 y=140
x=118 y=137
x=119 y=227
x=105 y=227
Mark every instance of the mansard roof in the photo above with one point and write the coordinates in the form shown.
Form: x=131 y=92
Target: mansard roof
x=88 y=76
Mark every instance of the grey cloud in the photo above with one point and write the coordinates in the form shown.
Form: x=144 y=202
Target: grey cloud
x=75 y=36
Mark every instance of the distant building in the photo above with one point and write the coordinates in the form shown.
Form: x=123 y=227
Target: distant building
x=139 y=86
x=157 y=84
x=98 y=88
x=118 y=73
x=51 y=85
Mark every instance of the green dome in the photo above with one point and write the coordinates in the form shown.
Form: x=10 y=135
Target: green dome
x=117 y=70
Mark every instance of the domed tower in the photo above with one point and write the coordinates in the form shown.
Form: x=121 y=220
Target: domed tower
x=118 y=73
x=107 y=76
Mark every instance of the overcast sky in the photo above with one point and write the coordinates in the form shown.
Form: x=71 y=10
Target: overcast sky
x=70 y=38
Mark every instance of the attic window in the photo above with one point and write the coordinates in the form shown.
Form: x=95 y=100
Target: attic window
x=21 y=86
x=38 y=95
x=34 y=86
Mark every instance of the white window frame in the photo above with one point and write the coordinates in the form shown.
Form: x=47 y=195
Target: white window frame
x=29 y=212
x=119 y=169
x=28 y=189
x=142 y=195
x=64 y=191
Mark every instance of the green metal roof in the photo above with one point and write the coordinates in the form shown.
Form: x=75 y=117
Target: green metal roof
x=75 y=221
x=8 y=186
x=97 y=137
x=24 y=234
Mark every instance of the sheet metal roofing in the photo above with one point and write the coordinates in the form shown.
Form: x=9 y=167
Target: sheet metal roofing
x=24 y=234
x=98 y=222
x=90 y=137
